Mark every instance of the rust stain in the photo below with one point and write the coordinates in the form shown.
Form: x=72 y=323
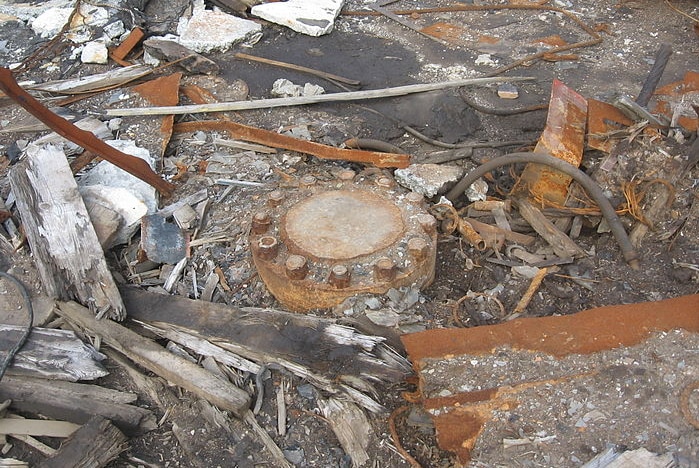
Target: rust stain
x=601 y=119
x=564 y=138
x=553 y=40
x=275 y=140
x=483 y=39
x=445 y=31
x=586 y=332
x=131 y=164
x=162 y=91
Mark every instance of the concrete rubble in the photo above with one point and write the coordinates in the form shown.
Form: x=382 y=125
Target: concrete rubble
x=314 y=18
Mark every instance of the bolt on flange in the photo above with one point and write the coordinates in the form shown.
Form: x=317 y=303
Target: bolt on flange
x=316 y=245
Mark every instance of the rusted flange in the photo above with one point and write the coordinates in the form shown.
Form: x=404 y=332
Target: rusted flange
x=319 y=244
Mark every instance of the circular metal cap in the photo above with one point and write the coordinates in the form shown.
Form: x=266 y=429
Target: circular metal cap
x=343 y=224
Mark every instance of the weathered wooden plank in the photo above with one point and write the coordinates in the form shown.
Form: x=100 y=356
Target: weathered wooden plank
x=155 y=358
x=51 y=353
x=63 y=241
x=67 y=401
x=37 y=427
x=319 y=344
x=93 y=445
x=562 y=245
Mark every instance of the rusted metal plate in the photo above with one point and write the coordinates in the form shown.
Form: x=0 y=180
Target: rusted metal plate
x=603 y=118
x=326 y=241
x=564 y=138
x=162 y=92
x=682 y=93
x=461 y=416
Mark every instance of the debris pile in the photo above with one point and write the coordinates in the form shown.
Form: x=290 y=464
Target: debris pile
x=311 y=233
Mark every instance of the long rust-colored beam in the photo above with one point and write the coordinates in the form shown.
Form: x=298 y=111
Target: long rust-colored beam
x=131 y=164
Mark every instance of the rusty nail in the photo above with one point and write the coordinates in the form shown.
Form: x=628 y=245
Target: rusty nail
x=428 y=223
x=339 y=276
x=417 y=246
x=414 y=198
x=260 y=222
x=275 y=198
x=346 y=175
x=307 y=181
x=267 y=247
x=384 y=182
x=296 y=267
x=384 y=269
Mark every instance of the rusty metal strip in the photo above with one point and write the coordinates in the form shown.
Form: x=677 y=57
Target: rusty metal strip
x=122 y=50
x=131 y=164
x=460 y=418
x=275 y=140
x=564 y=138
x=163 y=91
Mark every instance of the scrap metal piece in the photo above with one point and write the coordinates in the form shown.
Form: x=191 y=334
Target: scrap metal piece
x=87 y=140
x=636 y=112
x=324 y=242
x=379 y=7
x=564 y=138
x=601 y=118
x=461 y=416
x=276 y=140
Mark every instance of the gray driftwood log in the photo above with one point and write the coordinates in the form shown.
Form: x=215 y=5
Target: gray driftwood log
x=75 y=402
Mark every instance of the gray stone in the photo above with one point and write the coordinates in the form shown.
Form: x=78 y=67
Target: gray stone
x=311 y=17
x=428 y=179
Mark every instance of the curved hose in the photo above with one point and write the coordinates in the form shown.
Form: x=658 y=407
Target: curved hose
x=583 y=179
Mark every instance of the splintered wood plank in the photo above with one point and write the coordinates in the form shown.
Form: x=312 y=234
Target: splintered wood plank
x=157 y=359
x=564 y=138
x=37 y=427
x=93 y=445
x=63 y=241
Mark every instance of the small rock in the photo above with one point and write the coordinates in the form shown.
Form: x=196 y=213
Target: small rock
x=508 y=91
x=94 y=52
x=428 y=179
x=477 y=190
x=296 y=456
x=384 y=317
x=485 y=59
x=115 y=29
x=526 y=271
x=311 y=17
x=306 y=391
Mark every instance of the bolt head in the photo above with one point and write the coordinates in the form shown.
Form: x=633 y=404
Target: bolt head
x=261 y=222
x=428 y=223
x=346 y=175
x=267 y=247
x=275 y=198
x=384 y=269
x=339 y=276
x=418 y=248
x=307 y=181
x=415 y=198
x=296 y=267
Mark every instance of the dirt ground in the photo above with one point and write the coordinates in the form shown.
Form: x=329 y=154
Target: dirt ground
x=381 y=53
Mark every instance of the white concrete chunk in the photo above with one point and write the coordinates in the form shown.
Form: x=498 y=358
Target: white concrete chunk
x=94 y=52
x=209 y=30
x=428 y=179
x=50 y=22
x=311 y=17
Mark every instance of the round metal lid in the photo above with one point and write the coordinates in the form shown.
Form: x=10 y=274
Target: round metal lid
x=343 y=224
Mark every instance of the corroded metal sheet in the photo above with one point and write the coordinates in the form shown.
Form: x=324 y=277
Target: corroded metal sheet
x=468 y=374
x=319 y=244
x=564 y=138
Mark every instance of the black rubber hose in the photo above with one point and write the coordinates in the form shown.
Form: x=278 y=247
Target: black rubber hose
x=656 y=72
x=583 y=179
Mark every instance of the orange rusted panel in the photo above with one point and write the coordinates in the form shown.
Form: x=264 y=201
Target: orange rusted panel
x=600 y=121
x=162 y=92
x=460 y=417
x=564 y=138
x=686 y=90
x=445 y=31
